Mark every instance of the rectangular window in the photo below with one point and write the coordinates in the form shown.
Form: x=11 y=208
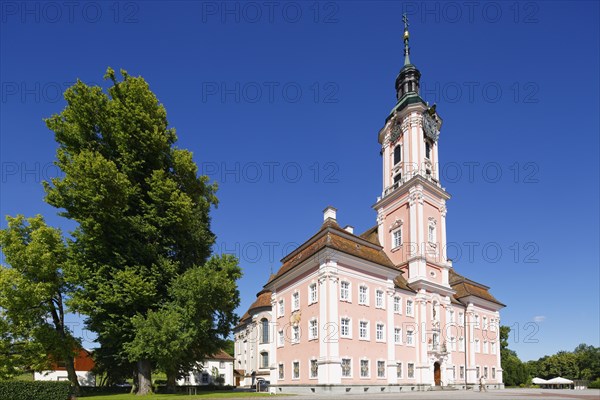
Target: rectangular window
x=295 y=334
x=313 y=293
x=453 y=372
x=399 y=370
x=221 y=364
x=493 y=347
x=493 y=373
x=312 y=329
x=362 y=295
x=379 y=332
x=296 y=301
x=461 y=319
x=363 y=330
x=280 y=371
x=478 y=372
x=485 y=347
x=345 y=327
x=485 y=372
x=397 y=335
x=453 y=343
x=477 y=346
x=379 y=299
x=281 y=311
x=296 y=370
x=410 y=338
x=314 y=369
x=397 y=305
x=461 y=344
x=205 y=378
x=451 y=316
x=381 y=369
x=264 y=360
x=346 y=368
x=411 y=370
x=280 y=338
x=345 y=291
x=409 y=307
x=476 y=321
x=397 y=238
x=462 y=372
x=364 y=368
x=485 y=323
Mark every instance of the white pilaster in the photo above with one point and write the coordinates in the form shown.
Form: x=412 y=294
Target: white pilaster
x=391 y=344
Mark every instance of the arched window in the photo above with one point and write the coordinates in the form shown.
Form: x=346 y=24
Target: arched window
x=264 y=359
x=397 y=154
x=265 y=330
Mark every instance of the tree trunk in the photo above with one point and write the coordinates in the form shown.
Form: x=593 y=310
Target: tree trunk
x=70 y=365
x=144 y=377
x=171 y=381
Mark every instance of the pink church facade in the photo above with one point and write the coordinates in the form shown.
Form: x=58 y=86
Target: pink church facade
x=383 y=310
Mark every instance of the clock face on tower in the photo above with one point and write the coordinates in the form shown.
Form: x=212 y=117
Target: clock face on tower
x=395 y=133
x=430 y=127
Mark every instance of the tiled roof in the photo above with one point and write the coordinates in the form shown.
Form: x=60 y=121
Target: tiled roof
x=465 y=287
x=332 y=236
x=220 y=355
x=401 y=283
x=371 y=235
x=263 y=299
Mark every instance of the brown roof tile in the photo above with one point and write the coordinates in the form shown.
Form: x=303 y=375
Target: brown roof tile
x=220 y=355
x=371 y=235
x=465 y=287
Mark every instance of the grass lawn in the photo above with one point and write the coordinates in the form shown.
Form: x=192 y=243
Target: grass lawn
x=220 y=394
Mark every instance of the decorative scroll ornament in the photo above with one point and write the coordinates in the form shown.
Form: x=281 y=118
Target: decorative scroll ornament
x=395 y=133
x=430 y=127
x=295 y=318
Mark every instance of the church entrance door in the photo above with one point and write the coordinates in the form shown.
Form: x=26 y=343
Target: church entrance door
x=437 y=374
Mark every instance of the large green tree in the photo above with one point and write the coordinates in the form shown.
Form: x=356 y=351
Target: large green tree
x=33 y=289
x=142 y=210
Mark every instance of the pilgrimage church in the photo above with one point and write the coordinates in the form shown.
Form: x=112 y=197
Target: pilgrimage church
x=382 y=310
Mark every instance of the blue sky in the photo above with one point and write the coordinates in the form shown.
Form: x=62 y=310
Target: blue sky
x=281 y=104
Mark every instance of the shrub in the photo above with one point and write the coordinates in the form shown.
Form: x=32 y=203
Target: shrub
x=595 y=384
x=22 y=390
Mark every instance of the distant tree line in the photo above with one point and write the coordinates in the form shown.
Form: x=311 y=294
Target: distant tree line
x=583 y=363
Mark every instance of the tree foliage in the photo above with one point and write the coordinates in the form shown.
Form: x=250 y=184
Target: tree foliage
x=143 y=215
x=32 y=298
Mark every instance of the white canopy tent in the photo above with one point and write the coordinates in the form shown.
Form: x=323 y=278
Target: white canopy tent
x=552 y=383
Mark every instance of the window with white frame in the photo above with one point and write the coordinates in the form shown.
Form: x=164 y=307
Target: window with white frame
x=485 y=323
x=313 y=329
x=379 y=298
x=264 y=323
x=281 y=311
x=478 y=372
x=461 y=343
x=345 y=327
x=346 y=368
x=295 y=301
x=362 y=294
x=396 y=238
x=280 y=338
x=381 y=369
x=363 y=330
x=399 y=370
x=295 y=334
x=397 y=154
x=410 y=339
x=312 y=290
x=314 y=368
x=461 y=319
x=493 y=347
x=264 y=360
x=397 y=335
x=454 y=372
x=493 y=372
x=296 y=370
x=485 y=372
x=451 y=316
x=411 y=370
x=398 y=304
x=409 y=307
x=364 y=368
x=461 y=370
x=452 y=343
x=477 y=346
x=345 y=291
x=379 y=335
x=476 y=320
x=280 y=371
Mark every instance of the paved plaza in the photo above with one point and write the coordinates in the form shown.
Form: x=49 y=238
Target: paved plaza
x=506 y=394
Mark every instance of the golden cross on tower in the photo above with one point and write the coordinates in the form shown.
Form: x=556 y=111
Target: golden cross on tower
x=405 y=20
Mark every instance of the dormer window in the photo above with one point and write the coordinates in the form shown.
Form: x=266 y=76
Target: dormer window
x=397 y=154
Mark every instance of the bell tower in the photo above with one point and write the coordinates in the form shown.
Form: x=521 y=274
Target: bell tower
x=411 y=211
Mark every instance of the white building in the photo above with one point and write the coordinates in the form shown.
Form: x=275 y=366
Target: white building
x=84 y=364
x=203 y=374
